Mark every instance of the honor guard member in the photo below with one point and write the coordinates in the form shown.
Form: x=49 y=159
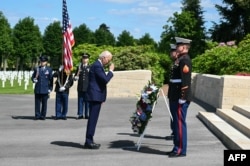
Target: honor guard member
x=43 y=79
x=82 y=76
x=180 y=96
x=173 y=56
x=63 y=83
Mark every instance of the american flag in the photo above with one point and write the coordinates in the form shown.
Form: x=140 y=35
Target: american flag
x=68 y=40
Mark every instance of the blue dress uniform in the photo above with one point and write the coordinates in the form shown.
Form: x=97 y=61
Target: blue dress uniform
x=43 y=79
x=63 y=83
x=82 y=73
x=174 y=65
x=179 y=95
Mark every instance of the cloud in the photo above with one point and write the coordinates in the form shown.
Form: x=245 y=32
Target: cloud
x=207 y=4
x=210 y=3
x=153 y=8
x=46 y=19
x=210 y=12
x=122 y=1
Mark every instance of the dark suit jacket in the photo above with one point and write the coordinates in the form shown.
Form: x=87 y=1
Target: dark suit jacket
x=98 y=80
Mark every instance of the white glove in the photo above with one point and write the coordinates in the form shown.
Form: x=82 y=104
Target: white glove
x=76 y=78
x=61 y=68
x=35 y=80
x=49 y=90
x=181 y=101
x=62 y=89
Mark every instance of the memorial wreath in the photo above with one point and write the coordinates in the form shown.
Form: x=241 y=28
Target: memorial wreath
x=144 y=108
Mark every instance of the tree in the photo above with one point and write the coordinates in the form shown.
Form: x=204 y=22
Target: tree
x=146 y=40
x=27 y=41
x=103 y=36
x=125 y=39
x=183 y=25
x=243 y=3
x=52 y=43
x=235 y=21
x=187 y=24
x=83 y=34
x=199 y=36
x=166 y=37
x=6 y=42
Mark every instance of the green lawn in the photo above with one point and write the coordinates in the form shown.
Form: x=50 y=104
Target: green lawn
x=16 y=89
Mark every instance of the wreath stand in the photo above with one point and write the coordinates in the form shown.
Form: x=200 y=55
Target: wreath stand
x=138 y=144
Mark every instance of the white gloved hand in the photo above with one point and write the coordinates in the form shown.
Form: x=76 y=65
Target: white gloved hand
x=76 y=78
x=49 y=90
x=181 y=101
x=35 y=80
x=61 y=68
x=62 y=89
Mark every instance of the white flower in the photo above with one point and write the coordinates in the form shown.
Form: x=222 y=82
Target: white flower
x=147 y=101
x=153 y=87
x=144 y=95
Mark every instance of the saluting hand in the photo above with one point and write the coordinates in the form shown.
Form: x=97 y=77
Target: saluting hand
x=111 y=67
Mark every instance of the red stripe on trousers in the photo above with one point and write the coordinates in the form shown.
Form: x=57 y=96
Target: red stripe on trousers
x=179 y=128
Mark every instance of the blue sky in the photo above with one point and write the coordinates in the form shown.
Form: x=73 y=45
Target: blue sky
x=136 y=16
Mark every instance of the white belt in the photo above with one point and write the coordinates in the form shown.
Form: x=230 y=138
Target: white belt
x=175 y=80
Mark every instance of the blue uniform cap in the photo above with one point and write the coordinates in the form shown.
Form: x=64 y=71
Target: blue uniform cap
x=85 y=55
x=43 y=58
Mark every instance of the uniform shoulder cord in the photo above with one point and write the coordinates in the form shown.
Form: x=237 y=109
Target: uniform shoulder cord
x=59 y=82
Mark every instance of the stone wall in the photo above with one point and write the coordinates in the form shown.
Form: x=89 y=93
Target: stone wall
x=221 y=91
x=207 y=88
x=128 y=83
x=217 y=91
x=123 y=84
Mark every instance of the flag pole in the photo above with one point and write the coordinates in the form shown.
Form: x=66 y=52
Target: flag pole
x=62 y=62
x=68 y=40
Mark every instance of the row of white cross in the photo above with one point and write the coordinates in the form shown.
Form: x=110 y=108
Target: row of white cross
x=20 y=76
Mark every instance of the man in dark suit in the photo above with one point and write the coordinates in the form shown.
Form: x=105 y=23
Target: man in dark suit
x=96 y=94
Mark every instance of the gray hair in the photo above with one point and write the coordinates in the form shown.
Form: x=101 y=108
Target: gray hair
x=105 y=54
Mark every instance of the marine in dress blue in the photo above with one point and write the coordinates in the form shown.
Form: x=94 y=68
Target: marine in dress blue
x=179 y=95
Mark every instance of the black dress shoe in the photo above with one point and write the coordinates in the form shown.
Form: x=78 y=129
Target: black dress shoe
x=64 y=118
x=42 y=118
x=80 y=117
x=86 y=117
x=173 y=154
x=170 y=137
x=92 y=146
x=167 y=153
